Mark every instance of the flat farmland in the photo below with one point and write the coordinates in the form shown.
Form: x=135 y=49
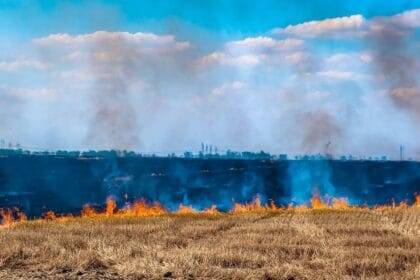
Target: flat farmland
x=313 y=244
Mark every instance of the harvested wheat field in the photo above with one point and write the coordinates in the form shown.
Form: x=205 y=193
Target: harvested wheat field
x=382 y=243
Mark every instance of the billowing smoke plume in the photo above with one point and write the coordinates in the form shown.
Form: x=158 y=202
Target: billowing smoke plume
x=320 y=131
x=151 y=92
x=114 y=123
x=12 y=103
x=119 y=76
x=395 y=57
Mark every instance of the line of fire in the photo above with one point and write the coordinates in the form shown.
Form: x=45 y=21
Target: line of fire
x=36 y=184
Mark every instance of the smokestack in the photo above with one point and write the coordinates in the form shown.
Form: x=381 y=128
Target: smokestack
x=401 y=152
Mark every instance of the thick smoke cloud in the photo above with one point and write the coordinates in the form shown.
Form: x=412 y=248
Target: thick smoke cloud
x=398 y=67
x=390 y=46
x=325 y=86
x=408 y=97
x=397 y=63
x=119 y=68
x=320 y=131
x=115 y=123
x=11 y=110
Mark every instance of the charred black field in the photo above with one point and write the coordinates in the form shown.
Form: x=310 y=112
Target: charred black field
x=36 y=183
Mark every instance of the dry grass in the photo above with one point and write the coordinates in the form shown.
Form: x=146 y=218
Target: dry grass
x=323 y=244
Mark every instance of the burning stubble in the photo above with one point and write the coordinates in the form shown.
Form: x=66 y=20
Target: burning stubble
x=321 y=242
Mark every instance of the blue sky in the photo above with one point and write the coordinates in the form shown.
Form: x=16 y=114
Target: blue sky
x=282 y=76
x=26 y=19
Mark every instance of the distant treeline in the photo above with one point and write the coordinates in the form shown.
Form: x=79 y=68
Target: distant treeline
x=123 y=153
x=246 y=155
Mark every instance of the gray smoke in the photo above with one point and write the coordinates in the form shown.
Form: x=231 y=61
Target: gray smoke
x=397 y=66
x=11 y=105
x=320 y=132
x=114 y=123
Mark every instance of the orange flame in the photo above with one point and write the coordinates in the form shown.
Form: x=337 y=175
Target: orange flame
x=22 y=217
x=6 y=216
x=299 y=208
x=340 y=203
x=185 y=210
x=254 y=206
x=211 y=211
x=111 y=206
x=11 y=217
x=273 y=206
x=140 y=208
x=317 y=203
x=50 y=215
x=88 y=211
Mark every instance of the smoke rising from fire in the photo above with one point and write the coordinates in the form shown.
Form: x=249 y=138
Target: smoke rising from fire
x=120 y=76
x=114 y=123
x=398 y=65
x=327 y=86
x=320 y=129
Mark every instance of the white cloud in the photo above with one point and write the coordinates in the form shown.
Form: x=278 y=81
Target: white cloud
x=324 y=27
x=353 y=26
x=102 y=48
x=255 y=51
x=350 y=58
x=228 y=87
x=365 y=57
x=296 y=57
x=143 y=42
x=142 y=83
x=230 y=60
x=409 y=19
x=113 y=72
x=23 y=94
x=342 y=75
x=104 y=55
x=262 y=44
x=14 y=66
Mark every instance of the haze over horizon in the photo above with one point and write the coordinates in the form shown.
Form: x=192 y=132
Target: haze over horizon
x=281 y=76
